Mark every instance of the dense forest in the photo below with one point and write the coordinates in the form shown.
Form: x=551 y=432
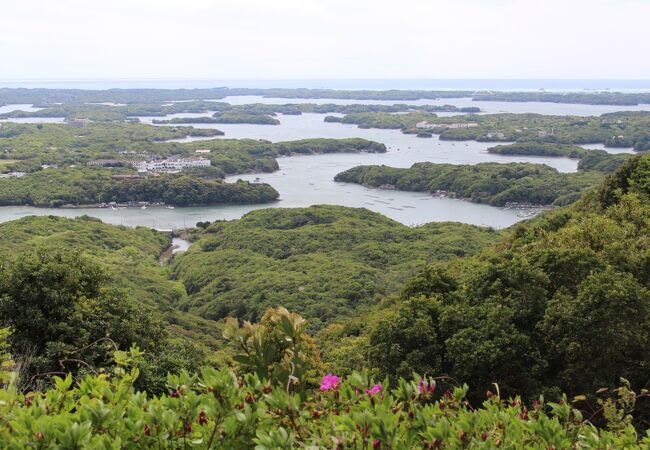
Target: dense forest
x=493 y=183
x=562 y=304
x=324 y=261
x=45 y=261
x=91 y=186
x=557 y=304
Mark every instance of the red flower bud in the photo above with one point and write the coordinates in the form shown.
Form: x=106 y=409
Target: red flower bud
x=484 y=436
x=376 y=444
x=202 y=418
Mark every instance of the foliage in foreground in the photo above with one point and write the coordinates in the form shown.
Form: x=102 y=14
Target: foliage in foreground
x=220 y=409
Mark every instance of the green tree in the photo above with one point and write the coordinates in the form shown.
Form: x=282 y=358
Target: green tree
x=63 y=315
x=600 y=334
x=406 y=339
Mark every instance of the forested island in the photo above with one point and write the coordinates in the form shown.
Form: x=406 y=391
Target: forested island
x=497 y=184
x=92 y=187
x=56 y=165
x=557 y=304
x=621 y=129
x=532 y=148
x=27 y=147
x=221 y=112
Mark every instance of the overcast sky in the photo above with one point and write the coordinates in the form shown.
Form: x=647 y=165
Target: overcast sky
x=254 y=39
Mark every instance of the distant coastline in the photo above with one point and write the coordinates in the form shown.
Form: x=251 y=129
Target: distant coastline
x=619 y=85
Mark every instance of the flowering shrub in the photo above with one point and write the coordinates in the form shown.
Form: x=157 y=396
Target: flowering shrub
x=219 y=409
x=329 y=382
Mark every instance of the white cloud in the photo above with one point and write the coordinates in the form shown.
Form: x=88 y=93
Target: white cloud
x=325 y=39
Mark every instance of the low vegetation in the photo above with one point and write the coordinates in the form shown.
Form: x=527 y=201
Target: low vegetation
x=224 y=408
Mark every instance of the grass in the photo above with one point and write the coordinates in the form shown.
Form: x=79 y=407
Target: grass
x=6 y=162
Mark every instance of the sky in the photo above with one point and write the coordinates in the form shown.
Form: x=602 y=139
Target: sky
x=324 y=39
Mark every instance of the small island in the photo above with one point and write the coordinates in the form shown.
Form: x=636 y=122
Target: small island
x=512 y=184
x=85 y=187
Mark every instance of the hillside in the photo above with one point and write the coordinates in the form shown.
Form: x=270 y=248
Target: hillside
x=324 y=261
x=128 y=256
x=562 y=304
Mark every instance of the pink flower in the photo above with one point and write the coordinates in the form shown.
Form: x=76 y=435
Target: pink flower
x=376 y=389
x=329 y=381
x=427 y=388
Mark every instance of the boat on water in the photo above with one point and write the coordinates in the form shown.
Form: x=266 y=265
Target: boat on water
x=143 y=207
x=170 y=207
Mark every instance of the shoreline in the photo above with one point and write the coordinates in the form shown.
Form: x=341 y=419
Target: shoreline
x=140 y=206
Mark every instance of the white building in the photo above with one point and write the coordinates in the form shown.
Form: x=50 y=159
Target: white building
x=426 y=125
x=13 y=175
x=172 y=164
x=202 y=151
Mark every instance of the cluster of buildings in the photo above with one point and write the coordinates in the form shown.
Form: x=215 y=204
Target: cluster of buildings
x=12 y=175
x=427 y=126
x=173 y=164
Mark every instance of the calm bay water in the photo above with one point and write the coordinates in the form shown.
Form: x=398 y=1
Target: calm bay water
x=308 y=180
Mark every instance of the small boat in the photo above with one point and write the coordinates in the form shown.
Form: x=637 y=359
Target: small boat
x=113 y=208
x=143 y=207
x=170 y=207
